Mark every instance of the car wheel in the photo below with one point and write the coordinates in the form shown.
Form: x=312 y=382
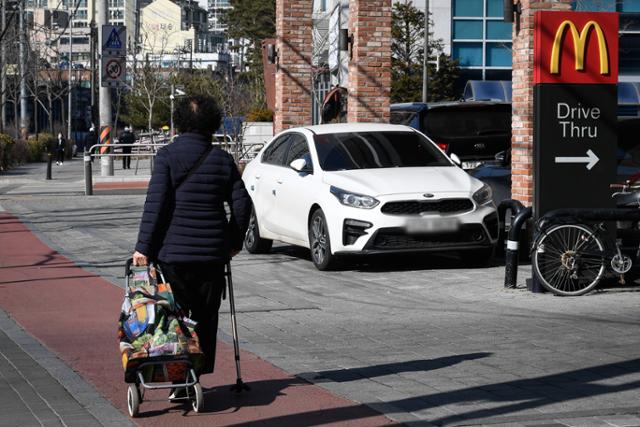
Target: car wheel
x=320 y=243
x=478 y=257
x=252 y=240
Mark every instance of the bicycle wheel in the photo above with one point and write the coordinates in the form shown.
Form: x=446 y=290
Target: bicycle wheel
x=569 y=260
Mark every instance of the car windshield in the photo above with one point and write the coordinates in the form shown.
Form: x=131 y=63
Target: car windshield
x=446 y=123
x=375 y=150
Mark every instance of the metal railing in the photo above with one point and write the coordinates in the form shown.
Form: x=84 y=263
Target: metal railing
x=149 y=151
x=241 y=152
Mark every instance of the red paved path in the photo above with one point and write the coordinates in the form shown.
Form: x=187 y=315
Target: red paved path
x=74 y=314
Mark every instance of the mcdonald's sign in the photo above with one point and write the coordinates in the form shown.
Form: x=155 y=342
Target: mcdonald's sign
x=576 y=47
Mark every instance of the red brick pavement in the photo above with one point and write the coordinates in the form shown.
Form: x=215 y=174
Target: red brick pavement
x=74 y=314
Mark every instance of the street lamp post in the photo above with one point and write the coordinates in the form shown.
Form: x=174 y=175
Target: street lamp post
x=425 y=69
x=69 y=115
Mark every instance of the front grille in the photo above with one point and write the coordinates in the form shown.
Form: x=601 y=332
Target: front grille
x=417 y=207
x=492 y=224
x=397 y=238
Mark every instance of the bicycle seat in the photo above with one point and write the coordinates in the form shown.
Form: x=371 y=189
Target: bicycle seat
x=627 y=200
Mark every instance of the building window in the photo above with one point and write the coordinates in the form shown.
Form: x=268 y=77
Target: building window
x=481 y=40
x=628 y=6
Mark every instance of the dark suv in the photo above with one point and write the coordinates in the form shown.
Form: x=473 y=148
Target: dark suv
x=475 y=131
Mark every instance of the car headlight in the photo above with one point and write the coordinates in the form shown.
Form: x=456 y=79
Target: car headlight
x=484 y=195
x=354 y=200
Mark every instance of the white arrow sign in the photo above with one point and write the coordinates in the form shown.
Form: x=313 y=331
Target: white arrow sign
x=590 y=160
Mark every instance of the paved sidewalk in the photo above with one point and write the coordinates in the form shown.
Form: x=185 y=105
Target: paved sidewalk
x=74 y=312
x=425 y=340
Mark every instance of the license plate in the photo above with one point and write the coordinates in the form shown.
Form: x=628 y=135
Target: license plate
x=432 y=225
x=471 y=165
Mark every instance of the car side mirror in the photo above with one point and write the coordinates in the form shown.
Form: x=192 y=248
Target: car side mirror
x=455 y=159
x=300 y=165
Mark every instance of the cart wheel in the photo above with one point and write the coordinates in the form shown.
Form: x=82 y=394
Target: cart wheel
x=133 y=400
x=198 y=398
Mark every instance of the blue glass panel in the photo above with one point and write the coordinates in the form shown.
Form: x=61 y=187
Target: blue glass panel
x=629 y=6
x=467 y=8
x=495 y=8
x=499 y=54
x=498 y=30
x=467 y=30
x=469 y=54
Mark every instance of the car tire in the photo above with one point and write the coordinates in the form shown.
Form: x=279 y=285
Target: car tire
x=478 y=257
x=253 y=243
x=320 y=243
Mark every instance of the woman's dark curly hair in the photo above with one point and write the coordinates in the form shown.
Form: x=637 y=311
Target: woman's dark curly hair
x=197 y=114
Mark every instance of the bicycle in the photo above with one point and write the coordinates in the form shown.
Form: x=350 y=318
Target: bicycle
x=571 y=257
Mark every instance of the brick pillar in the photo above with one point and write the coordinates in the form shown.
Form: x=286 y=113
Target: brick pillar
x=370 y=65
x=293 y=75
x=522 y=80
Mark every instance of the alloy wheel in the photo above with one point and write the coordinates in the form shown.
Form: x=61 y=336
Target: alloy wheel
x=319 y=237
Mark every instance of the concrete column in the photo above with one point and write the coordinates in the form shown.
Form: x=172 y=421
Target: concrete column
x=370 y=65
x=293 y=76
x=522 y=81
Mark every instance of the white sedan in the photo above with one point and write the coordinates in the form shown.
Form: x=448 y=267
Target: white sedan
x=365 y=188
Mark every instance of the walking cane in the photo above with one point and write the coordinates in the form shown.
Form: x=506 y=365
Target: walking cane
x=239 y=385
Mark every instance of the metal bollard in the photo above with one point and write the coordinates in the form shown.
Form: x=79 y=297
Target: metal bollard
x=49 y=161
x=88 y=178
x=511 y=254
x=515 y=206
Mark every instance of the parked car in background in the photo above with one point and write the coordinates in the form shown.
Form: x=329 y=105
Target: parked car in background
x=345 y=189
x=474 y=131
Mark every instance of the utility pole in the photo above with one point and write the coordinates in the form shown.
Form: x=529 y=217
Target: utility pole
x=69 y=82
x=24 y=119
x=106 y=162
x=136 y=38
x=171 y=98
x=92 y=53
x=425 y=70
x=3 y=61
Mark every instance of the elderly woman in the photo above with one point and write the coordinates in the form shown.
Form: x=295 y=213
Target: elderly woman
x=185 y=227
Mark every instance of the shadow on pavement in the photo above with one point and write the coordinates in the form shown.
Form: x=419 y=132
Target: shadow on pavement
x=354 y=374
x=515 y=396
x=383 y=263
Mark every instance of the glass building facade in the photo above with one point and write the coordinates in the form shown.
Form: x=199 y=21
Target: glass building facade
x=480 y=39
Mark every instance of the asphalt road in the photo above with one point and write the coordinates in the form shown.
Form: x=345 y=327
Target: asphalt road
x=421 y=339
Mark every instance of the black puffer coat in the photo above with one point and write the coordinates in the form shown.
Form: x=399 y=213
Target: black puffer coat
x=190 y=225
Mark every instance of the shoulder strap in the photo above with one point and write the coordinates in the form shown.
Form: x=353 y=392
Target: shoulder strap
x=195 y=167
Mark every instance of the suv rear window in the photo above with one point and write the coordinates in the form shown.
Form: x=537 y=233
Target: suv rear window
x=402 y=117
x=445 y=123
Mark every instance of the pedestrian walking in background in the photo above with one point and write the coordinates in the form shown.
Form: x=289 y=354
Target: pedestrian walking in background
x=90 y=139
x=60 y=147
x=184 y=226
x=127 y=137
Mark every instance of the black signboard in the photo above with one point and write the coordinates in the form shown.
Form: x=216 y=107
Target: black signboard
x=575 y=146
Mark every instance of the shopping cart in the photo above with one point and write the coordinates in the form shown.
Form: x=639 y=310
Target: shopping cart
x=147 y=372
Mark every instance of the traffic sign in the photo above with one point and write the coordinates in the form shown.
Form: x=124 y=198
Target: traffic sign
x=575 y=146
x=114 y=40
x=113 y=71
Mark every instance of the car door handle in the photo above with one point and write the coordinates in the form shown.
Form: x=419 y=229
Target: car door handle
x=256 y=176
x=279 y=181
x=273 y=192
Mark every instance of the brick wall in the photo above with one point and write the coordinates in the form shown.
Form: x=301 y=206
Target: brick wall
x=370 y=65
x=293 y=76
x=522 y=80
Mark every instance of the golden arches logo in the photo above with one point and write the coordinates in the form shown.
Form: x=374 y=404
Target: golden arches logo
x=579 y=46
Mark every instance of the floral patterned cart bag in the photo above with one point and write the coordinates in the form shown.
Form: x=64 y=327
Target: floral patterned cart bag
x=153 y=328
